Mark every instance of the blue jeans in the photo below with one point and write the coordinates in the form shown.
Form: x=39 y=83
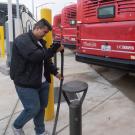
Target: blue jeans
x=34 y=102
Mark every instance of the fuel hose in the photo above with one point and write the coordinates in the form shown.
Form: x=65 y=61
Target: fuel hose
x=60 y=93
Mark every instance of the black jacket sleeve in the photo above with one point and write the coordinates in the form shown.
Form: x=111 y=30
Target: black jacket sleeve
x=32 y=52
x=53 y=68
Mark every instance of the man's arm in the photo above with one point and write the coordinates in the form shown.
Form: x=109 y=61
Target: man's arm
x=31 y=52
x=53 y=68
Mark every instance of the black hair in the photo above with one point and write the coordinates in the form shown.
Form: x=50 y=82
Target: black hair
x=42 y=23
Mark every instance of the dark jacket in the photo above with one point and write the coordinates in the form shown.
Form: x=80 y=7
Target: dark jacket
x=27 y=61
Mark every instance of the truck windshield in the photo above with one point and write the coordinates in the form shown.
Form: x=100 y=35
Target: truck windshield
x=106 y=12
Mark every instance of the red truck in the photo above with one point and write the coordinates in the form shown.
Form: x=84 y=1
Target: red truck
x=68 y=23
x=57 y=27
x=106 y=33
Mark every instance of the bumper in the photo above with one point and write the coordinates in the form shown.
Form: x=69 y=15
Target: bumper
x=108 y=62
x=70 y=46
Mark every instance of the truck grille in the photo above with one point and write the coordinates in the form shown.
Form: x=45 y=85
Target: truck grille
x=104 y=2
x=126 y=6
x=89 y=8
x=69 y=14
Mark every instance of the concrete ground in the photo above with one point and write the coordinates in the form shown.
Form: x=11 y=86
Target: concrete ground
x=105 y=111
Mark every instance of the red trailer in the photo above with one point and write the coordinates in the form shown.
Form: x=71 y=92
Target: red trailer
x=57 y=27
x=106 y=33
x=68 y=22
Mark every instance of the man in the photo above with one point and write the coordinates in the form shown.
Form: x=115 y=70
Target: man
x=30 y=70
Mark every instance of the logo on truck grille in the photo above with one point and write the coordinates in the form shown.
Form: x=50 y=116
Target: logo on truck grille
x=90 y=44
x=125 y=47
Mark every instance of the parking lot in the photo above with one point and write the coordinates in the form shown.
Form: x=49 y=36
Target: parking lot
x=108 y=108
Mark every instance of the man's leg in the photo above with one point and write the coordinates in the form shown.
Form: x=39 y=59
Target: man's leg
x=39 y=118
x=31 y=103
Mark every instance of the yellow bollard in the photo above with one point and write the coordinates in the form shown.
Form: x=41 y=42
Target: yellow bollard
x=49 y=111
x=2 y=45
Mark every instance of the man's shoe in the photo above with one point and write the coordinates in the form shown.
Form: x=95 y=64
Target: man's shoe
x=18 y=131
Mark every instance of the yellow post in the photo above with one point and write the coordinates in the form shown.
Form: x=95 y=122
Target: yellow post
x=2 y=45
x=49 y=112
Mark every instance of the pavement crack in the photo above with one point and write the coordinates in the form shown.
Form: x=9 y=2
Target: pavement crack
x=102 y=102
x=10 y=118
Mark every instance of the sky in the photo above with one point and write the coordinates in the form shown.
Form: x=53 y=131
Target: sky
x=56 y=8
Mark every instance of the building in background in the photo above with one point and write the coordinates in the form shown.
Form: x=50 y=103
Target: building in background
x=4 y=12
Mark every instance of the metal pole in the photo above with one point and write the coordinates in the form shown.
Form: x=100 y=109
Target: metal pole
x=2 y=44
x=36 y=12
x=40 y=6
x=10 y=31
x=75 y=116
x=17 y=9
x=10 y=20
x=75 y=106
x=49 y=112
x=33 y=7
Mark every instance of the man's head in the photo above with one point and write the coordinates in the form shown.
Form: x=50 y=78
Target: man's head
x=41 y=28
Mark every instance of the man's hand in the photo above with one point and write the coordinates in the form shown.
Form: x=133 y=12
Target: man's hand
x=61 y=48
x=57 y=47
x=59 y=76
